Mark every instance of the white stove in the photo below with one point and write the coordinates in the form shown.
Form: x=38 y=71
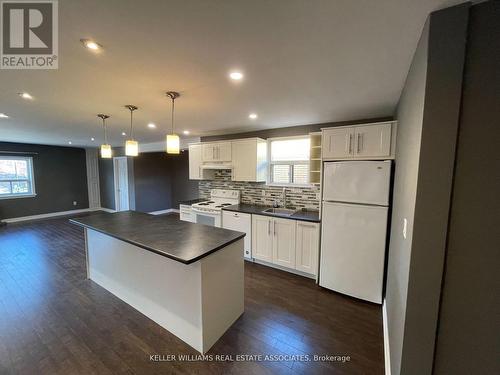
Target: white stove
x=209 y=212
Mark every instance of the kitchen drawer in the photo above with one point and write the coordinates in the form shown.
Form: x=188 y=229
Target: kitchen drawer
x=185 y=213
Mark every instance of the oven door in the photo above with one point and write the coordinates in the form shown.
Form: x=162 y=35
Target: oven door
x=207 y=218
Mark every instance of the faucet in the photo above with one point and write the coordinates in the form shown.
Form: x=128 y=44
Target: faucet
x=276 y=202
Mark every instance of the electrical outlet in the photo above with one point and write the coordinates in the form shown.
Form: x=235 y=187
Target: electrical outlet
x=74 y=203
x=405 y=226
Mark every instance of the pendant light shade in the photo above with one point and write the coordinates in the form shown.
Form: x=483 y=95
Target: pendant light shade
x=173 y=143
x=131 y=146
x=106 y=151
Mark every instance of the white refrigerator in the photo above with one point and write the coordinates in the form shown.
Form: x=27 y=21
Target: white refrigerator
x=354 y=227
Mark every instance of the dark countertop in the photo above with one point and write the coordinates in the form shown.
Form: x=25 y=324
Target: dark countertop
x=193 y=201
x=312 y=216
x=164 y=235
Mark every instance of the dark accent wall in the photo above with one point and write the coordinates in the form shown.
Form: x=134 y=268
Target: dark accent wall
x=153 y=182
x=107 y=180
x=182 y=187
x=291 y=130
x=428 y=119
x=107 y=183
x=162 y=180
x=468 y=339
x=60 y=178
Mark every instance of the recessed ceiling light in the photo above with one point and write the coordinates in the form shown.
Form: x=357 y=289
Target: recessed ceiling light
x=253 y=116
x=186 y=132
x=151 y=125
x=90 y=44
x=25 y=95
x=3 y=115
x=92 y=139
x=70 y=143
x=124 y=134
x=236 y=76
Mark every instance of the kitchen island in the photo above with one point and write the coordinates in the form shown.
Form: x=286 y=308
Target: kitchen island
x=186 y=277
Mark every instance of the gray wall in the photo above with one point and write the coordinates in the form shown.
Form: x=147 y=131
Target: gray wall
x=60 y=178
x=427 y=114
x=468 y=339
x=291 y=130
x=162 y=181
x=182 y=187
x=107 y=180
x=106 y=183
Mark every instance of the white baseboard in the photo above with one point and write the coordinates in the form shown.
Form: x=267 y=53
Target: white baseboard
x=161 y=212
x=53 y=214
x=300 y=273
x=105 y=210
x=387 y=353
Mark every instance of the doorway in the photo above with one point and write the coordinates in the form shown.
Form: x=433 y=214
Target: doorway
x=121 y=183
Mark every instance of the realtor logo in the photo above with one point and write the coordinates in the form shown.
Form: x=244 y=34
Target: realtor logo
x=29 y=37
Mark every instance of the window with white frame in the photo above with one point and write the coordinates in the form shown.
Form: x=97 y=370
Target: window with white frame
x=289 y=160
x=16 y=177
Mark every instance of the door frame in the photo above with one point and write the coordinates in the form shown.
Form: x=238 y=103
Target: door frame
x=115 y=179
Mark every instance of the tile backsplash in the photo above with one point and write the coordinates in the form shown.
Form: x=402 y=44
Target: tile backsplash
x=261 y=194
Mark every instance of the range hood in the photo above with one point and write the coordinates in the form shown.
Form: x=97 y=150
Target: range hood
x=216 y=166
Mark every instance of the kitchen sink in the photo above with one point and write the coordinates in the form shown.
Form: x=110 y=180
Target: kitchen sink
x=280 y=211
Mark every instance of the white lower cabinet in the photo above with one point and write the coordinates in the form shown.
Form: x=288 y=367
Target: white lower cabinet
x=240 y=222
x=306 y=247
x=262 y=238
x=284 y=242
x=287 y=243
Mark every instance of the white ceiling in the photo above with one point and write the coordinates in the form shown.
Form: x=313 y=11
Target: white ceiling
x=304 y=62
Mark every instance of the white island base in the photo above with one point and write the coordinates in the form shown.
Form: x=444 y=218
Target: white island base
x=197 y=302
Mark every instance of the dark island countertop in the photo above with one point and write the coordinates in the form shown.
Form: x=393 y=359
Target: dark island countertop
x=193 y=201
x=164 y=235
x=312 y=216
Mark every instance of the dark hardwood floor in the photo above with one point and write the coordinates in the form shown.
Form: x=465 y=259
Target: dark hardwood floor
x=54 y=321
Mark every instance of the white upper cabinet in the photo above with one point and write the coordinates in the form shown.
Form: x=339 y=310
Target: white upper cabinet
x=366 y=141
x=249 y=160
x=337 y=142
x=195 y=172
x=373 y=140
x=216 y=152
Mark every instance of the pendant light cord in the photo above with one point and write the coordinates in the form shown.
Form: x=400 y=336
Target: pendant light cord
x=131 y=127
x=105 y=132
x=173 y=108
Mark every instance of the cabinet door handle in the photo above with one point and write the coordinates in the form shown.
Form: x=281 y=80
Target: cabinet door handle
x=359 y=143
x=213 y=152
x=269 y=228
x=274 y=228
x=307 y=225
x=350 y=143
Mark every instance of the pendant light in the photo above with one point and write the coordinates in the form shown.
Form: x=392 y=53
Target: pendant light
x=106 y=151
x=173 y=146
x=131 y=146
